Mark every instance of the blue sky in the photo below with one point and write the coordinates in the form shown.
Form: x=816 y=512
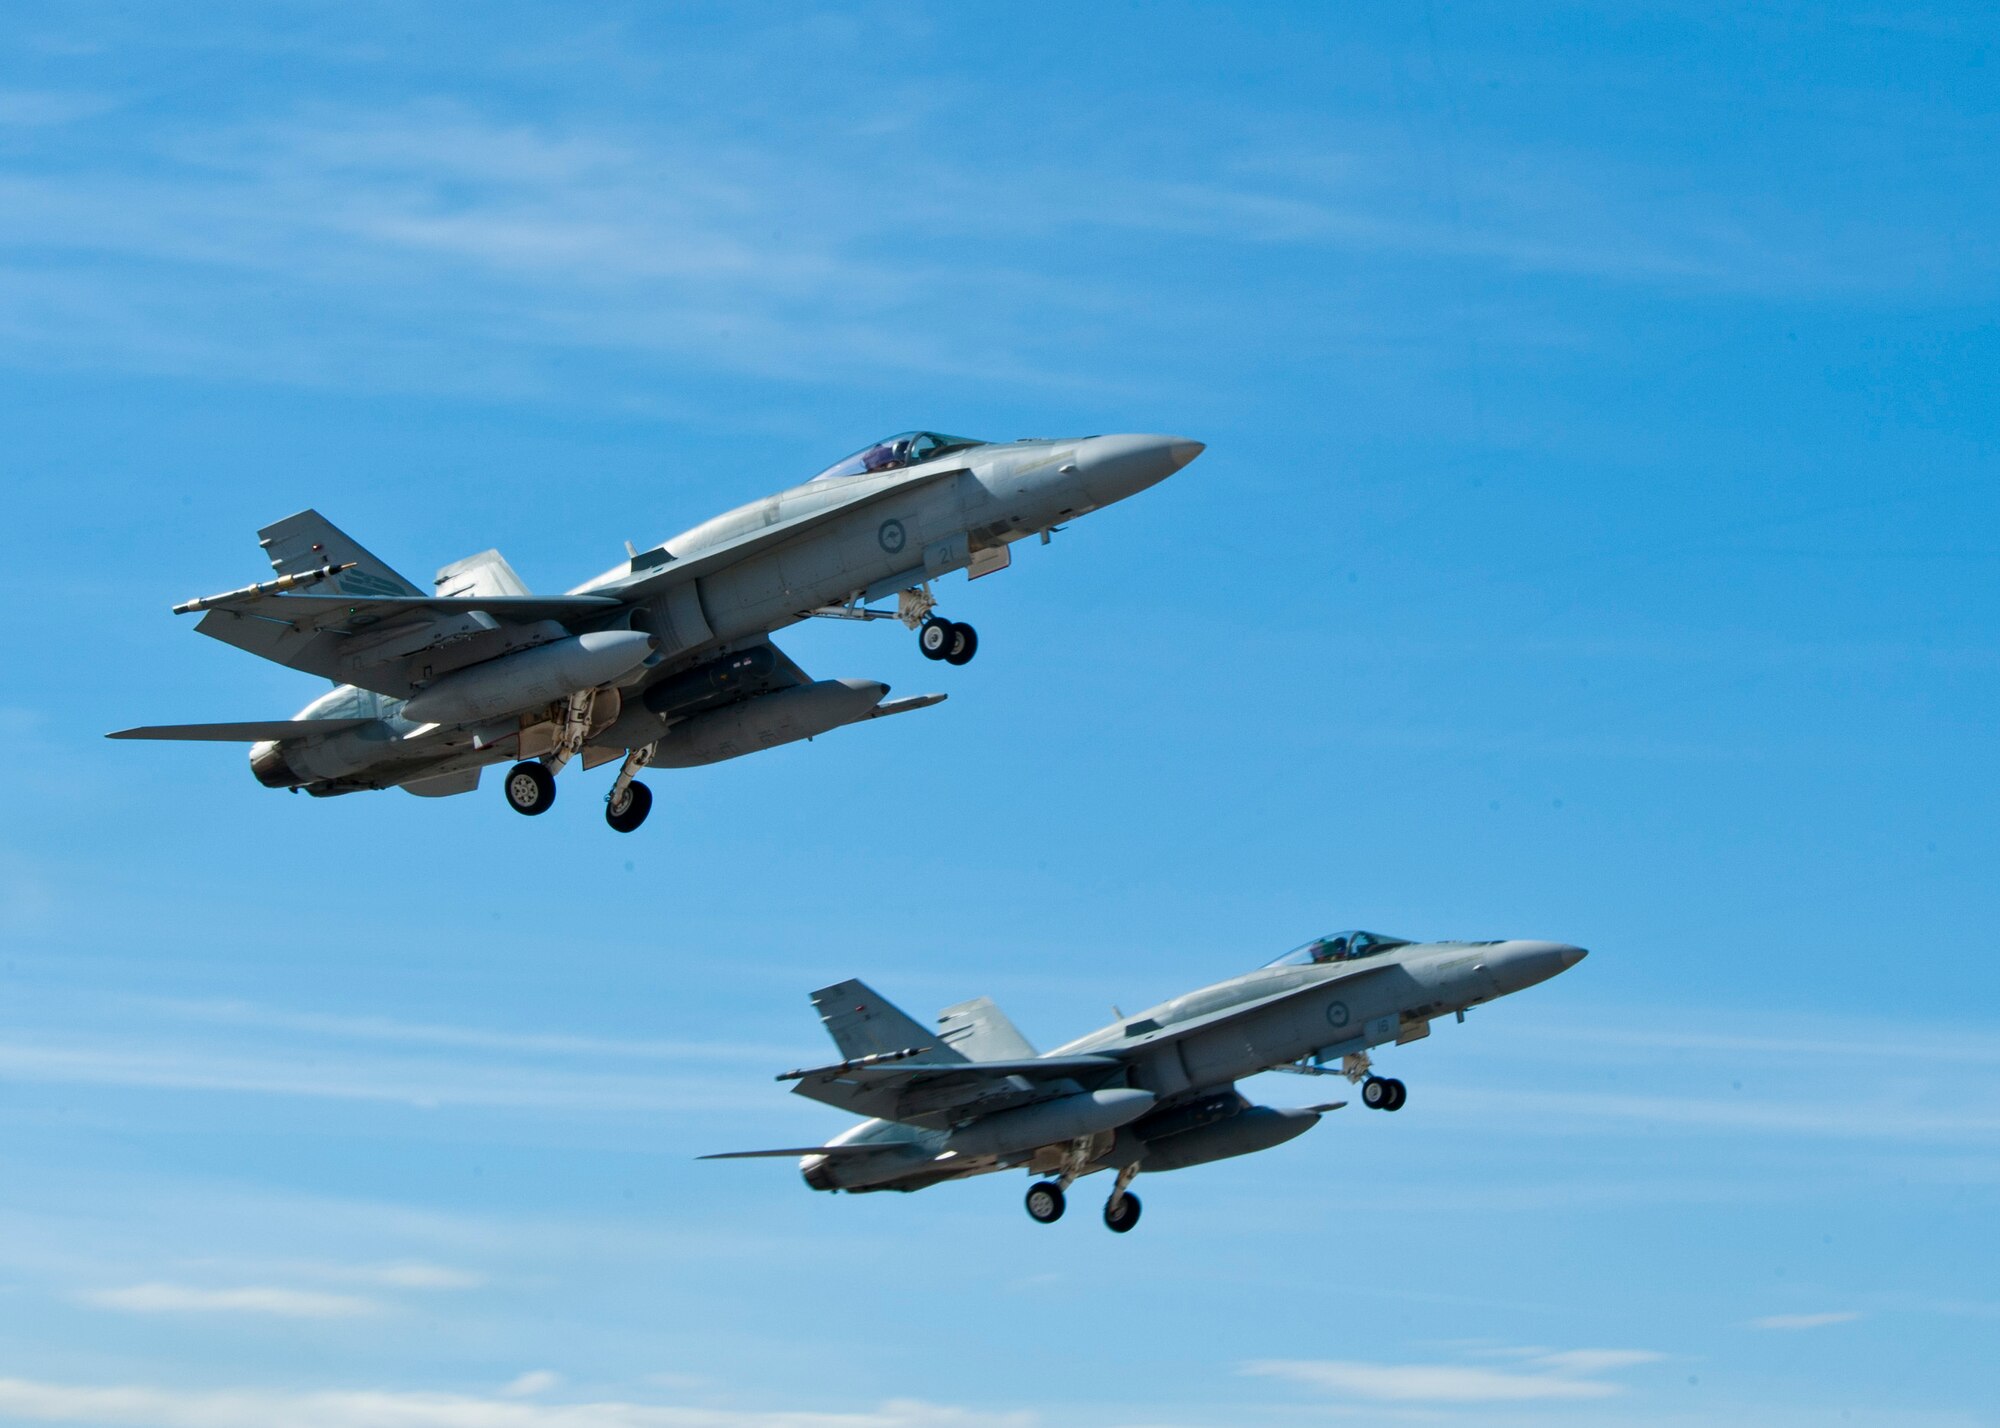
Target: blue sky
x=1595 y=541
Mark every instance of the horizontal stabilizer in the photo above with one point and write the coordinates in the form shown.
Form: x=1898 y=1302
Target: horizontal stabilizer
x=486 y=573
x=797 y=1150
x=980 y=1030
x=254 y=731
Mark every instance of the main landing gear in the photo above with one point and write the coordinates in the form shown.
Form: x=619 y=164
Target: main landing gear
x=530 y=788
x=1121 y=1211
x=627 y=809
x=530 y=785
x=629 y=801
x=1046 y=1201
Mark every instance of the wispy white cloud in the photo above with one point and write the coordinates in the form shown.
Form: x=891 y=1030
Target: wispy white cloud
x=1545 y=1376
x=422 y=1083
x=257 y=1299
x=1806 y=1321
x=408 y=1033
x=1589 y=1361
x=531 y=1383
x=435 y=244
x=409 y=1274
x=1428 y=1383
x=135 y=1406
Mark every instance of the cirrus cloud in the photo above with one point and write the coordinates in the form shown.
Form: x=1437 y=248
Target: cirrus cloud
x=264 y=1299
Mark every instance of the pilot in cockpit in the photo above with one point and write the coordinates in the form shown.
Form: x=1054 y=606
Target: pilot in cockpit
x=1341 y=947
x=887 y=455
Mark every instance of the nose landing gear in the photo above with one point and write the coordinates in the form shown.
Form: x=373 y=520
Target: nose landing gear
x=1383 y=1093
x=952 y=641
x=948 y=640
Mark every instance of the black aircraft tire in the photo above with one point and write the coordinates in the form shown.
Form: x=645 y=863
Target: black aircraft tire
x=964 y=645
x=530 y=788
x=935 y=638
x=1125 y=1216
x=1398 y=1093
x=638 y=803
x=1375 y=1093
x=1045 y=1202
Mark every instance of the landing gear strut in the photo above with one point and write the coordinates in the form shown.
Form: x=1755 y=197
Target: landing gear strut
x=1378 y=1093
x=629 y=801
x=531 y=784
x=627 y=809
x=949 y=640
x=1121 y=1211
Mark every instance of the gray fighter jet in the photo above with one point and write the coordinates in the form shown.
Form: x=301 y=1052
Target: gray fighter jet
x=1150 y=1092
x=663 y=659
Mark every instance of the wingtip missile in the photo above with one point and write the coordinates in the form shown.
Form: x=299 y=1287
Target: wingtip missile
x=297 y=580
x=841 y=1068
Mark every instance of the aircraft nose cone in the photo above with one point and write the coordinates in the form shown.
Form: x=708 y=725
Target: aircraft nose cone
x=1515 y=965
x=1114 y=467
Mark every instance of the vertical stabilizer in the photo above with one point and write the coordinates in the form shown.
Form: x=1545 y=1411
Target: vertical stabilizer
x=484 y=574
x=862 y=1022
x=980 y=1031
x=309 y=540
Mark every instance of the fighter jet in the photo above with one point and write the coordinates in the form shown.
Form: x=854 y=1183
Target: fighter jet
x=664 y=659
x=1150 y=1092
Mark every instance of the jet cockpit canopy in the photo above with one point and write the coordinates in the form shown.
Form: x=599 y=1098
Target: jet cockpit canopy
x=909 y=448
x=1339 y=947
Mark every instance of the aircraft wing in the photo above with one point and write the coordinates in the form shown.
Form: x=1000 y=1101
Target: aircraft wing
x=939 y=1093
x=366 y=624
x=373 y=641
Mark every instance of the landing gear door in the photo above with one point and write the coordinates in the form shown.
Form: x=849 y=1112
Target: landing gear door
x=989 y=560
